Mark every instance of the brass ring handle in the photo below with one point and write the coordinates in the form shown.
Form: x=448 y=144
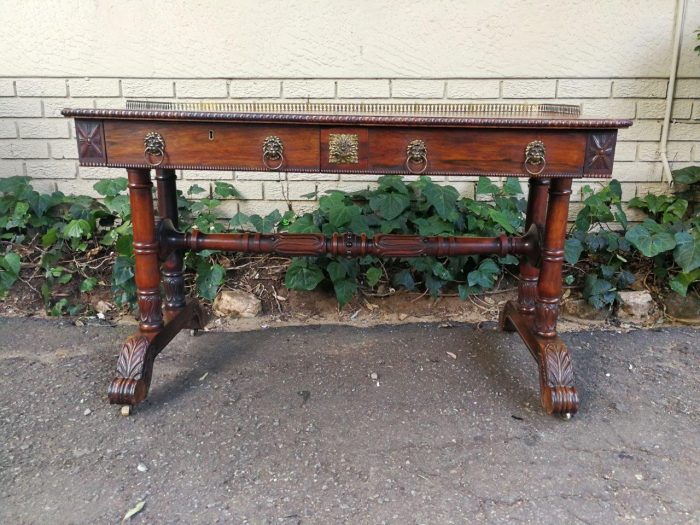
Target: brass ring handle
x=423 y=159
x=267 y=156
x=535 y=156
x=273 y=149
x=154 y=146
x=416 y=152
x=527 y=168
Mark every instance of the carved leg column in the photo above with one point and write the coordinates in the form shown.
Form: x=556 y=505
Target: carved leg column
x=529 y=272
x=556 y=371
x=135 y=363
x=172 y=268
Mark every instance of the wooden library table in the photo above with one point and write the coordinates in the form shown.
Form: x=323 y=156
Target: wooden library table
x=549 y=144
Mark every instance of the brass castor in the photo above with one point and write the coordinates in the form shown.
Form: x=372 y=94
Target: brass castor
x=125 y=410
x=567 y=416
x=194 y=332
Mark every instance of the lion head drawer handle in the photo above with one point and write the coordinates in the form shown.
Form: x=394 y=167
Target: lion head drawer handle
x=416 y=155
x=154 y=146
x=534 y=157
x=273 y=150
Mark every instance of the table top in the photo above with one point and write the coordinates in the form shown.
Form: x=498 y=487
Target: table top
x=360 y=113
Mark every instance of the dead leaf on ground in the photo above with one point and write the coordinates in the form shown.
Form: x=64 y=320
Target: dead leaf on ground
x=133 y=511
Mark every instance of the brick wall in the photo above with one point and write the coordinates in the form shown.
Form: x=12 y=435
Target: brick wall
x=35 y=140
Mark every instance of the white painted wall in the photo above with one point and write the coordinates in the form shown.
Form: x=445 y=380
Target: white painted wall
x=612 y=56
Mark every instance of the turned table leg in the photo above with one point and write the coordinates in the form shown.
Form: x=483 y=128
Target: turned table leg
x=534 y=315
x=529 y=270
x=135 y=363
x=172 y=268
x=556 y=372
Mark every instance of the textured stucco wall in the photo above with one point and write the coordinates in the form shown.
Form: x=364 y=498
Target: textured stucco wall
x=613 y=57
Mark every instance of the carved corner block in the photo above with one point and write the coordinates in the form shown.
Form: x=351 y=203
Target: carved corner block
x=91 y=141
x=600 y=152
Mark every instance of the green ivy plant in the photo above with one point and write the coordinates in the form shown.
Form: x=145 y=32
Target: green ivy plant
x=601 y=252
x=421 y=207
x=670 y=236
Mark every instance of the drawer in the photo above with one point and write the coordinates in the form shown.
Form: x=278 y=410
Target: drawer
x=213 y=145
x=475 y=151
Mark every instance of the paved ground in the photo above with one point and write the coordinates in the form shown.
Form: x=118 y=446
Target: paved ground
x=227 y=438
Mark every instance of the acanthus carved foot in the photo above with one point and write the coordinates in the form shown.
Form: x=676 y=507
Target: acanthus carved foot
x=557 y=380
x=134 y=368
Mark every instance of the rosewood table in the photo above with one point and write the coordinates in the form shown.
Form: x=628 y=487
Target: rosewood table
x=549 y=144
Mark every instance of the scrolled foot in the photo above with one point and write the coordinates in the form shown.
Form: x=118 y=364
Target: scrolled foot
x=557 y=390
x=134 y=368
x=126 y=391
x=560 y=400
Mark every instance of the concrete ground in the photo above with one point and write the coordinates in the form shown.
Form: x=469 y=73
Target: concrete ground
x=287 y=426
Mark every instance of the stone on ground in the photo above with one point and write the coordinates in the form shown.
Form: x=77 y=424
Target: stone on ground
x=236 y=303
x=637 y=307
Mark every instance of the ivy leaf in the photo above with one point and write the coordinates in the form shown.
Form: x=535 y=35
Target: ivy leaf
x=49 y=238
x=433 y=284
x=344 y=290
x=124 y=245
x=239 y=221
x=225 y=190
x=465 y=291
x=443 y=199
x=389 y=205
x=650 y=238
x=88 y=284
x=195 y=189
x=486 y=187
x=573 y=248
x=11 y=262
x=123 y=270
x=342 y=214
x=393 y=182
x=432 y=226
x=331 y=200
x=440 y=271
x=689 y=175
x=77 y=228
x=687 y=252
x=682 y=281
x=110 y=187
x=373 y=275
x=512 y=186
x=598 y=292
x=336 y=271
x=485 y=275
x=615 y=188
x=304 y=224
x=405 y=279
x=302 y=275
x=675 y=211
x=119 y=205
x=209 y=278
x=266 y=224
x=502 y=219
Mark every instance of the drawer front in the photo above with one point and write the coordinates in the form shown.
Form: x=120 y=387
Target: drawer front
x=475 y=151
x=213 y=146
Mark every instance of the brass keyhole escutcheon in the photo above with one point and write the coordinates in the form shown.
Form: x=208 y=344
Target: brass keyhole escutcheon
x=343 y=148
x=211 y=134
